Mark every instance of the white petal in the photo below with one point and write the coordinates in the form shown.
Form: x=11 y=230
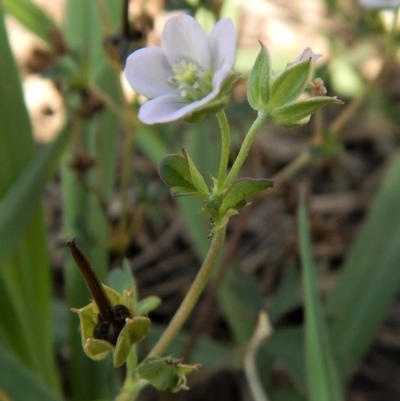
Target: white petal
x=223 y=44
x=184 y=38
x=171 y=108
x=147 y=71
x=223 y=49
x=307 y=54
x=162 y=109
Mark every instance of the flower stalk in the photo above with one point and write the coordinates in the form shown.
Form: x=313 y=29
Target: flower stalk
x=193 y=294
x=245 y=148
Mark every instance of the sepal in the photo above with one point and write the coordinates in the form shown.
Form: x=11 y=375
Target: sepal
x=298 y=113
x=289 y=84
x=134 y=330
x=258 y=90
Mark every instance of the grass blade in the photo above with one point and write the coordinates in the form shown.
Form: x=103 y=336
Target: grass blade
x=21 y=201
x=357 y=310
x=322 y=375
x=18 y=383
x=25 y=276
x=31 y=17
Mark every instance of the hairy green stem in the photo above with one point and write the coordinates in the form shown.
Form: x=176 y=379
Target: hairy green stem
x=193 y=294
x=225 y=148
x=245 y=148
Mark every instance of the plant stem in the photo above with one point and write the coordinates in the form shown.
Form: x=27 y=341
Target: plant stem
x=245 y=148
x=193 y=294
x=225 y=148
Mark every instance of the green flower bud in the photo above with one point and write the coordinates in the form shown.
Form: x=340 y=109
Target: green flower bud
x=276 y=95
x=165 y=373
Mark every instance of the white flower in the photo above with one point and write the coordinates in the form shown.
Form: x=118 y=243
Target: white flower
x=381 y=4
x=187 y=73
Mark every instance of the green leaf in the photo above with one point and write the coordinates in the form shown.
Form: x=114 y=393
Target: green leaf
x=177 y=192
x=323 y=380
x=122 y=279
x=289 y=84
x=241 y=301
x=289 y=295
x=21 y=201
x=25 y=277
x=174 y=171
x=370 y=277
x=287 y=346
x=259 y=80
x=195 y=177
x=32 y=17
x=150 y=143
x=330 y=147
x=148 y=304
x=237 y=194
x=18 y=383
x=82 y=214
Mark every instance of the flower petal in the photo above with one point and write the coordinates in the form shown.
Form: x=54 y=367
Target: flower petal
x=223 y=49
x=307 y=54
x=147 y=71
x=161 y=109
x=171 y=108
x=184 y=38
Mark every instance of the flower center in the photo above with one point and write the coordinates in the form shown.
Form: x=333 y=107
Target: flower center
x=191 y=80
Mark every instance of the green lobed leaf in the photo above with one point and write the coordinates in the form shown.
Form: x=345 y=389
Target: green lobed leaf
x=236 y=195
x=177 y=192
x=289 y=84
x=323 y=382
x=258 y=90
x=174 y=171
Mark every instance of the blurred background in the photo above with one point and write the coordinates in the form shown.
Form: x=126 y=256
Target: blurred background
x=76 y=161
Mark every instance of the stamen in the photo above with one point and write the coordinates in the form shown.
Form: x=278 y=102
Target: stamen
x=191 y=80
